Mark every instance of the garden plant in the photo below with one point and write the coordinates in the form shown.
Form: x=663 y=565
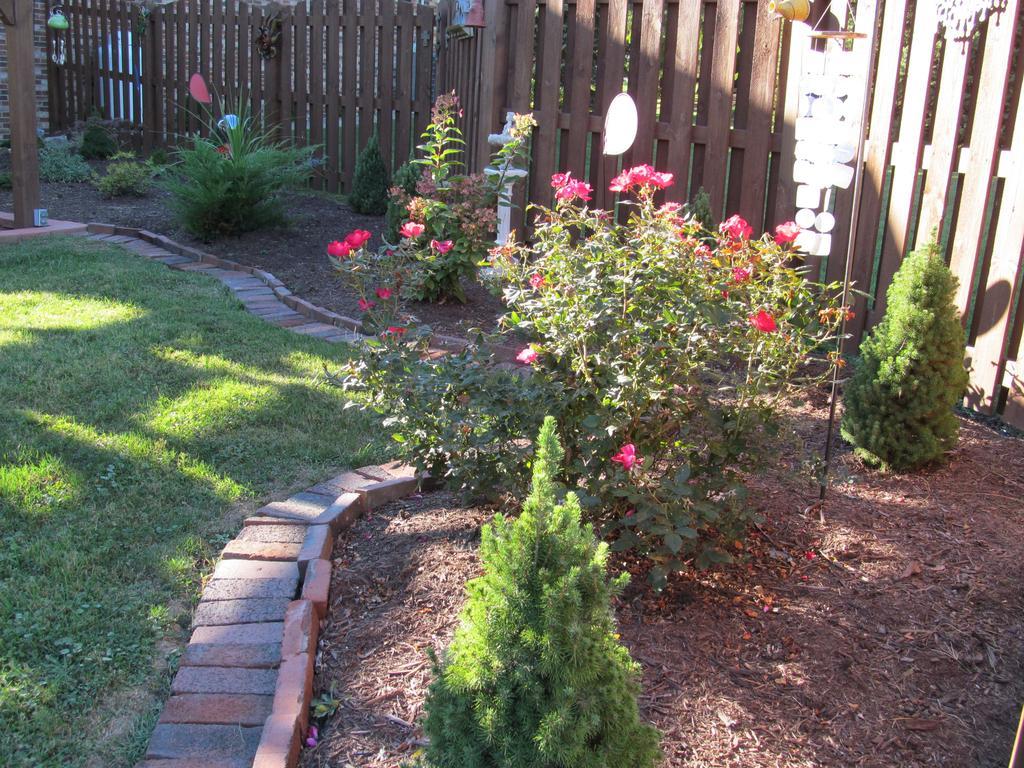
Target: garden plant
x=126 y=176
x=663 y=350
x=898 y=407
x=97 y=142
x=60 y=164
x=370 y=182
x=454 y=213
x=230 y=181
x=536 y=675
x=404 y=187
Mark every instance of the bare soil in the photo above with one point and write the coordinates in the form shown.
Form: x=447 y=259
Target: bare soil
x=885 y=628
x=295 y=254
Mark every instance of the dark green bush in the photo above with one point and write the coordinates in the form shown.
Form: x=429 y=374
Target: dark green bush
x=231 y=183
x=5 y=180
x=370 y=181
x=699 y=209
x=97 y=143
x=535 y=675
x=159 y=156
x=899 y=403
x=403 y=187
x=125 y=176
x=58 y=164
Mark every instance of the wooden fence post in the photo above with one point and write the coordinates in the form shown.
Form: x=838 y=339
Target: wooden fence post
x=493 y=79
x=21 y=84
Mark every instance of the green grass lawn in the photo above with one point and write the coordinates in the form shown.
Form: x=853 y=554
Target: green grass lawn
x=142 y=411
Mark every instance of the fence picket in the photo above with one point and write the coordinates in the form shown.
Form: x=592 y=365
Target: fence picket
x=984 y=151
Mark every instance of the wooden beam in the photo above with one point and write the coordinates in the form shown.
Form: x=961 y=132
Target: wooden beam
x=7 y=12
x=21 y=85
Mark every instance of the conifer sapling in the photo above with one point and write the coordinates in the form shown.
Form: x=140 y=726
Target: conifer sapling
x=899 y=403
x=370 y=181
x=535 y=676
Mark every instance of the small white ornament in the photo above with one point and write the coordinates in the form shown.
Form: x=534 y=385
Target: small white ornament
x=619 y=125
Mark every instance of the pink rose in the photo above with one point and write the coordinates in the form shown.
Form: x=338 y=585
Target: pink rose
x=528 y=356
x=574 y=189
x=786 y=232
x=559 y=180
x=339 y=249
x=736 y=228
x=640 y=176
x=358 y=238
x=411 y=229
x=383 y=293
x=627 y=457
x=763 y=322
x=442 y=246
x=742 y=274
x=537 y=281
x=366 y=305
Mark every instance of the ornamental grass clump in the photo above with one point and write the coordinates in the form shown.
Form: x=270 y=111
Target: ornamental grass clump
x=898 y=407
x=535 y=675
x=663 y=349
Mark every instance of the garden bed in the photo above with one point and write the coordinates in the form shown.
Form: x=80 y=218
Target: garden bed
x=295 y=254
x=889 y=632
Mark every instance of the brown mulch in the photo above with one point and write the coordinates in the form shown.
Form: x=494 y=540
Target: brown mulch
x=294 y=254
x=885 y=629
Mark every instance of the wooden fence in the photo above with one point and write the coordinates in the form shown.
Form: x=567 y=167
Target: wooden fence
x=344 y=69
x=703 y=74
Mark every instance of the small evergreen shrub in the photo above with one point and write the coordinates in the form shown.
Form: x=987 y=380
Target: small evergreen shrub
x=231 y=182
x=58 y=164
x=97 y=143
x=699 y=209
x=5 y=180
x=535 y=675
x=370 y=182
x=125 y=177
x=899 y=402
x=401 y=192
x=159 y=156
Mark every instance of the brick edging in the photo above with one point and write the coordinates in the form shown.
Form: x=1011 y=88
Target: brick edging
x=364 y=489
x=227 y=701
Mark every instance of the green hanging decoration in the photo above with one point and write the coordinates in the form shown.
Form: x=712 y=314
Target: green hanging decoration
x=59 y=23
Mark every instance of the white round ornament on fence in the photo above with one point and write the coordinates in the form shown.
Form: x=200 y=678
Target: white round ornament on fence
x=620 y=125
x=825 y=222
x=805 y=218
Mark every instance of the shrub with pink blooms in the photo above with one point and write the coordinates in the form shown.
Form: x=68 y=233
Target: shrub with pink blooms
x=663 y=349
x=456 y=211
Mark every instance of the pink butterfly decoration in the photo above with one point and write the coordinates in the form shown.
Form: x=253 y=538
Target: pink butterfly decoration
x=198 y=90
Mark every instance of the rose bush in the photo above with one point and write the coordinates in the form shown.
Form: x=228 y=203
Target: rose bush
x=663 y=349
